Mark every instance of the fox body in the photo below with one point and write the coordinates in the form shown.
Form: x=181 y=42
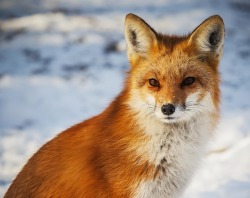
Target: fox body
x=149 y=140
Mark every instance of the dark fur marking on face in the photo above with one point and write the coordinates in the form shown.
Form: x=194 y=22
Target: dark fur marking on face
x=183 y=106
x=162 y=146
x=163 y=161
x=158 y=168
x=163 y=170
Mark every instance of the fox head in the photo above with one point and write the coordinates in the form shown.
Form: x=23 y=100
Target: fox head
x=174 y=78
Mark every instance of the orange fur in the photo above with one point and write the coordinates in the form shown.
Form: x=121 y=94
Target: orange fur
x=99 y=157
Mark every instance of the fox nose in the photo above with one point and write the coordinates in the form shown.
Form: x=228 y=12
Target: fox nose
x=168 y=109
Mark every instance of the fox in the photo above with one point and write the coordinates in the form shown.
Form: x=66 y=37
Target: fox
x=151 y=138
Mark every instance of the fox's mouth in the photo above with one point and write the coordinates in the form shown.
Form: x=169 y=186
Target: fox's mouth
x=170 y=118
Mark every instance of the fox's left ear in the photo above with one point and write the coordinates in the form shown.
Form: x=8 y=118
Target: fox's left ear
x=209 y=37
x=140 y=38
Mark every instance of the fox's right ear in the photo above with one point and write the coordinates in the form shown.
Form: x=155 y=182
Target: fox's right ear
x=140 y=37
x=209 y=37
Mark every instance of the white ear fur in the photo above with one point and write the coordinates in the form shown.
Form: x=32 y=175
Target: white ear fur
x=209 y=36
x=140 y=37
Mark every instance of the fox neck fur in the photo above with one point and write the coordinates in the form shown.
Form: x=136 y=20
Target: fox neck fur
x=168 y=153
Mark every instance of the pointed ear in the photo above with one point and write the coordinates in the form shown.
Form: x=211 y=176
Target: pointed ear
x=140 y=37
x=209 y=37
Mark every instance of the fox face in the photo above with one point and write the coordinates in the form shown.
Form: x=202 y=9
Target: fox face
x=174 y=78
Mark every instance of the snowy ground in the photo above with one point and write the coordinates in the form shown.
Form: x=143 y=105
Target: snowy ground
x=63 y=61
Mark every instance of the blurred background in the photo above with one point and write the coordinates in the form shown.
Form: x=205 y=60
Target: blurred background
x=63 y=61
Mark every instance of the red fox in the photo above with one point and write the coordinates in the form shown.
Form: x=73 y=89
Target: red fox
x=149 y=140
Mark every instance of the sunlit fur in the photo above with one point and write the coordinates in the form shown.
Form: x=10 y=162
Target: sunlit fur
x=132 y=149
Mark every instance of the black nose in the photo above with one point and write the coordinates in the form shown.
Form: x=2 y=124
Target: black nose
x=168 y=109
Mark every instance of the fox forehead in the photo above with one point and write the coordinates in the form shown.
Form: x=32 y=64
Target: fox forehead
x=168 y=63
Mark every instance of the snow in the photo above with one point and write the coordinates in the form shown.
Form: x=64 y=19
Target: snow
x=63 y=61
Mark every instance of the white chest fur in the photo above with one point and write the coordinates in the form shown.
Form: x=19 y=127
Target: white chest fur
x=175 y=150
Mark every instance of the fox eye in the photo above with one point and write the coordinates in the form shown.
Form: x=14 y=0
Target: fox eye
x=188 y=81
x=153 y=82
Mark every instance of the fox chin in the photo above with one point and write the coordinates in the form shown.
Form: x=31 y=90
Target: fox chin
x=148 y=142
